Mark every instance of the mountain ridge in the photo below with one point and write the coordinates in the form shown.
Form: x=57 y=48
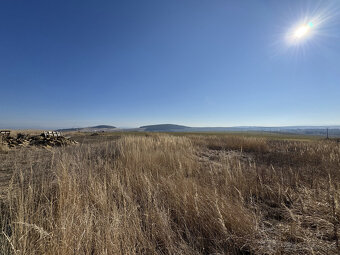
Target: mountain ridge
x=163 y=127
x=89 y=129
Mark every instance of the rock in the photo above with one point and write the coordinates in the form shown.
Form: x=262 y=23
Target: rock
x=23 y=140
x=37 y=137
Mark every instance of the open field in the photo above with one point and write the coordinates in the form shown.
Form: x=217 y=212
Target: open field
x=178 y=193
x=267 y=135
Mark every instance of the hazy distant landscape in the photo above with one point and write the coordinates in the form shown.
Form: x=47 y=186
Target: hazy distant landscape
x=333 y=131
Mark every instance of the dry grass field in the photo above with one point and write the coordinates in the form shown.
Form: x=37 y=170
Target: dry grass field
x=167 y=194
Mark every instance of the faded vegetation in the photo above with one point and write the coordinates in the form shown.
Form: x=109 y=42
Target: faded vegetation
x=3 y=146
x=161 y=194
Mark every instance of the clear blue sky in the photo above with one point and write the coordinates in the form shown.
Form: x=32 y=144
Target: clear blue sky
x=69 y=63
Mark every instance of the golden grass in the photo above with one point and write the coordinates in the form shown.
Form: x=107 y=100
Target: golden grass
x=155 y=195
x=247 y=144
x=3 y=146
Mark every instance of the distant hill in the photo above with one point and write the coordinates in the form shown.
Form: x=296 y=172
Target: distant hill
x=68 y=129
x=164 y=128
x=98 y=128
x=103 y=126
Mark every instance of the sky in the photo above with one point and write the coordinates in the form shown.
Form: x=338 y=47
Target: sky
x=205 y=63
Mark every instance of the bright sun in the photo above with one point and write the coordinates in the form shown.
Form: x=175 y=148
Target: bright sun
x=310 y=29
x=301 y=32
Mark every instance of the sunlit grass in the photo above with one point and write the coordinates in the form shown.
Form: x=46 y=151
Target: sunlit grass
x=170 y=194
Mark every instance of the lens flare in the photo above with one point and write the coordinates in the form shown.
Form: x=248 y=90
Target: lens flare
x=312 y=26
x=304 y=28
x=301 y=32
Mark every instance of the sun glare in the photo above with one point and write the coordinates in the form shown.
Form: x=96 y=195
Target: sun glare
x=311 y=27
x=301 y=31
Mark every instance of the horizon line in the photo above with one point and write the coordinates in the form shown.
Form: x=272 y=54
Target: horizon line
x=137 y=127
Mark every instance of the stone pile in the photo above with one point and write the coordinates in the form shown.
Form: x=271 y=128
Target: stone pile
x=37 y=140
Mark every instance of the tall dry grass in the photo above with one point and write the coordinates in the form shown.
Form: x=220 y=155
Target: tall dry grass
x=153 y=195
x=3 y=146
x=247 y=144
